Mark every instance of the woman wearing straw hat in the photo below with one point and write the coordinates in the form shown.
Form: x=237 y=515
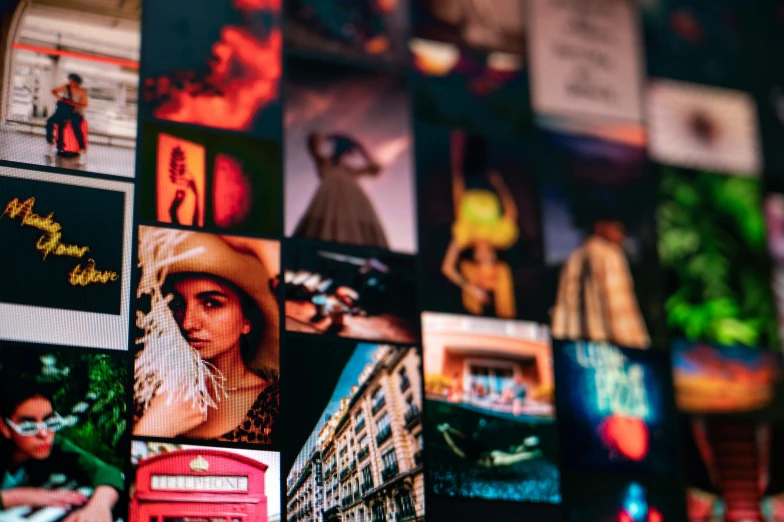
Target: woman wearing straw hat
x=209 y=367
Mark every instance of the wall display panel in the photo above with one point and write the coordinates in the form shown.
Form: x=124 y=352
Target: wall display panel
x=207 y=329
x=348 y=156
x=475 y=90
x=732 y=469
x=69 y=93
x=480 y=227
x=213 y=65
x=774 y=219
x=703 y=127
x=67 y=259
x=179 y=483
x=63 y=433
x=207 y=180
x=364 y=455
x=600 y=242
x=489 y=423
x=372 y=32
x=616 y=410
x=711 y=235
x=349 y=292
x=586 y=60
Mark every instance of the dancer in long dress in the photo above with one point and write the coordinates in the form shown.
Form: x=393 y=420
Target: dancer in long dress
x=341 y=211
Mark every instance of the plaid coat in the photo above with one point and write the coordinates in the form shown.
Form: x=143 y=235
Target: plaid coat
x=596 y=299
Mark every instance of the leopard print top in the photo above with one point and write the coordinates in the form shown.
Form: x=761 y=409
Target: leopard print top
x=260 y=422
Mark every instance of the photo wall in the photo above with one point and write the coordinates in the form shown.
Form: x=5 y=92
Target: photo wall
x=391 y=261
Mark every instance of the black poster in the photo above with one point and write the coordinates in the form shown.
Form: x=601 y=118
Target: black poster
x=62 y=246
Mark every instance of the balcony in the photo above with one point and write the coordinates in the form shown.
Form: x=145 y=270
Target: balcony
x=360 y=426
x=344 y=474
x=379 y=517
x=378 y=405
x=406 y=514
x=405 y=384
x=418 y=458
x=390 y=472
x=363 y=453
x=383 y=435
x=412 y=416
x=367 y=486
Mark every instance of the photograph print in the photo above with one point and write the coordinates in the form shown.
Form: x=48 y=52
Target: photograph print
x=354 y=292
x=363 y=457
x=600 y=241
x=215 y=65
x=479 y=219
x=207 y=333
x=349 y=173
x=63 y=433
x=202 y=179
x=490 y=412
x=66 y=256
x=71 y=95
x=616 y=411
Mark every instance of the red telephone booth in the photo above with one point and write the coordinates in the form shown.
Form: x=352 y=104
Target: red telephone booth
x=199 y=485
x=70 y=145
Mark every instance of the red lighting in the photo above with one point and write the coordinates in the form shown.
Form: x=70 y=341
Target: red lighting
x=231 y=193
x=131 y=64
x=654 y=515
x=626 y=435
x=624 y=517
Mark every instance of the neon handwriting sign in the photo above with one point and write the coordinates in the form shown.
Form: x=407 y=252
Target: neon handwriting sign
x=620 y=386
x=50 y=243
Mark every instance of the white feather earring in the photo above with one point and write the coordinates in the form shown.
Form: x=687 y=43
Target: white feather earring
x=168 y=363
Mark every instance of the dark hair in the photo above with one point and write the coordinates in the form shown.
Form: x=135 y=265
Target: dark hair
x=343 y=145
x=474 y=156
x=75 y=77
x=248 y=342
x=15 y=390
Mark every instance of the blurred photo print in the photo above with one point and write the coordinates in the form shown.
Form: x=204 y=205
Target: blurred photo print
x=470 y=89
x=498 y=25
x=368 y=31
x=183 y=483
x=600 y=243
x=207 y=330
x=200 y=179
x=616 y=411
x=489 y=427
x=71 y=95
x=66 y=259
x=363 y=457
x=62 y=434
x=348 y=161
x=714 y=253
x=214 y=65
x=350 y=292
x=702 y=127
x=481 y=247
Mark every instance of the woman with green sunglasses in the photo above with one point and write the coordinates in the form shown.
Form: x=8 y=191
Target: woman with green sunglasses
x=34 y=461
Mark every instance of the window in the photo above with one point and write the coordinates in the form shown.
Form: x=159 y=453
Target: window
x=405 y=384
x=363 y=442
x=488 y=379
x=378 y=512
x=389 y=458
x=404 y=505
x=383 y=423
x=378 y=400
x=367 y=478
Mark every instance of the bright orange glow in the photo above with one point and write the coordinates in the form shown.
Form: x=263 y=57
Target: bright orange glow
x=181 y=181
x=232 y=196
x=131 y=64
x=69 y=138
x=627 y=435
x=258 y=5
x=244 y=79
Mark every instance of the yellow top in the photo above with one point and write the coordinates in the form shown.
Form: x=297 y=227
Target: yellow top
x=480 y=218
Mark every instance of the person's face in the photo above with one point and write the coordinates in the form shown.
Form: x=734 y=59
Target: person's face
x=72 y=83
x=36 y=447
x=210 y=315
x=612 y=231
